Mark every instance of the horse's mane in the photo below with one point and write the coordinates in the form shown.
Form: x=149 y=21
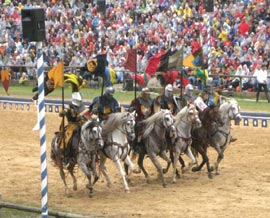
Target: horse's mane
x=154 y=118
x=114 y=120
x=179 y=116
x=150 y=121
x=226 y=105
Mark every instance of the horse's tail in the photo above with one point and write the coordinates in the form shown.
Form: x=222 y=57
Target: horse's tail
x=54 y=149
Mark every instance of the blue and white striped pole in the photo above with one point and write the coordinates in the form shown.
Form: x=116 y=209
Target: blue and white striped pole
x=209 y=63
x=42 y=133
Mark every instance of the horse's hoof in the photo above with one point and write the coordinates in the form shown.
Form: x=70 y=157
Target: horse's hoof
x=174 y=181
x=91 y=194
x=96 y=179
x=210 y=175
x=217 y=173
x=211 y=169
x=194 y=169
x=75 y=188
x=165 y=185
x=128 y=191
x=137 y=171
x=164 y=171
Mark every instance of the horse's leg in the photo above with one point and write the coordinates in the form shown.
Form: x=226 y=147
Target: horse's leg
x=192 y=160
x=203 y=152
x=103 y=169
x=70 y=170
x=83 y=166
x=154 y=159
x=180 y=160
x=140 y=163
x=94 y=168
x=220 y=152
x=131 y=165
x=63 y=177
x=122 y=173
x=176 y=156
x=164 y=156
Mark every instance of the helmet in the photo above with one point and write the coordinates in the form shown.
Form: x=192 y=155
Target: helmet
x=189 y=89
x=168 y=90
x=76 y=99
x=109 y=91
x=145 y=92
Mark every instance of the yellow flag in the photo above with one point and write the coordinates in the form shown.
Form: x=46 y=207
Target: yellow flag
x=5 y=75
x=187 y=62
x=57 y=74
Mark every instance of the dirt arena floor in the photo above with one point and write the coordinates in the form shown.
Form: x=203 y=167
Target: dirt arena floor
x=242 y=189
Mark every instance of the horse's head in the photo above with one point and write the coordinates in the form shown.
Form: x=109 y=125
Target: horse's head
x=234 y=111
x=129 y=124
x=168 y=122
x=92 y=131
x=192 y=116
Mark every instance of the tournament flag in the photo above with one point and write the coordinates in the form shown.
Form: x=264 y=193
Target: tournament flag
x=131 y=62
x=97 y=65
x=5 y=79
x=155 y=62
x=57 y=74
x=77 y=82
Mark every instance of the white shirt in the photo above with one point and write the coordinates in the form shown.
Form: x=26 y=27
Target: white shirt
x=261 y=75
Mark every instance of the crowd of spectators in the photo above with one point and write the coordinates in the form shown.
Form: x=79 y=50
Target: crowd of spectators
x=76 y=31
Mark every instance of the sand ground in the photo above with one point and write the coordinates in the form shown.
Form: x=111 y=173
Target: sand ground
x=242 y=189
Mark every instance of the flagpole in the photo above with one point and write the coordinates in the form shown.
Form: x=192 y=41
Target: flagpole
x=135 y=93
x=62 y=127
x=181 y=69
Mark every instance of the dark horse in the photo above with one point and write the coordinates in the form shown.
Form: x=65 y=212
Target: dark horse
x=201 y=137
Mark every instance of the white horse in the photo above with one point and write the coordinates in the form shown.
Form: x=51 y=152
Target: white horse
x=116 y=131
x=221 y=134
x=185 y=119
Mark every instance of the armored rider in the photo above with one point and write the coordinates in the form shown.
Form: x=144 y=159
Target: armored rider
x=76 y=114
x=105 y=104
x=143 y=105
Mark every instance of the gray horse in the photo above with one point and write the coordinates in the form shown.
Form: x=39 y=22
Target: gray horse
x=185 y=120
x=154 y=141
x=117 y=130
x=221 y=134
x=91 y=141
x=82 y=152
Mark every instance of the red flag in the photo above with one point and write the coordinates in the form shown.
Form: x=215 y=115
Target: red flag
x=139 y=79
x=155 y=62
x=131 y=62
x=5 y=79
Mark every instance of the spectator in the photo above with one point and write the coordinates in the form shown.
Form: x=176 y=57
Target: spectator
x=261 y=76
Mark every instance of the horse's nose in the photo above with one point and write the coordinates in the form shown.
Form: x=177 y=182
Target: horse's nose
x=100 y=143
x=132 y=136
x=238 y=118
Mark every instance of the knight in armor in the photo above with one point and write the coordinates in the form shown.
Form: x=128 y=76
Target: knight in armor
x=143 y=105
x=105 y=104
x=167 y=100
x=210 y=95
x=188 y=96
x=76 y=114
